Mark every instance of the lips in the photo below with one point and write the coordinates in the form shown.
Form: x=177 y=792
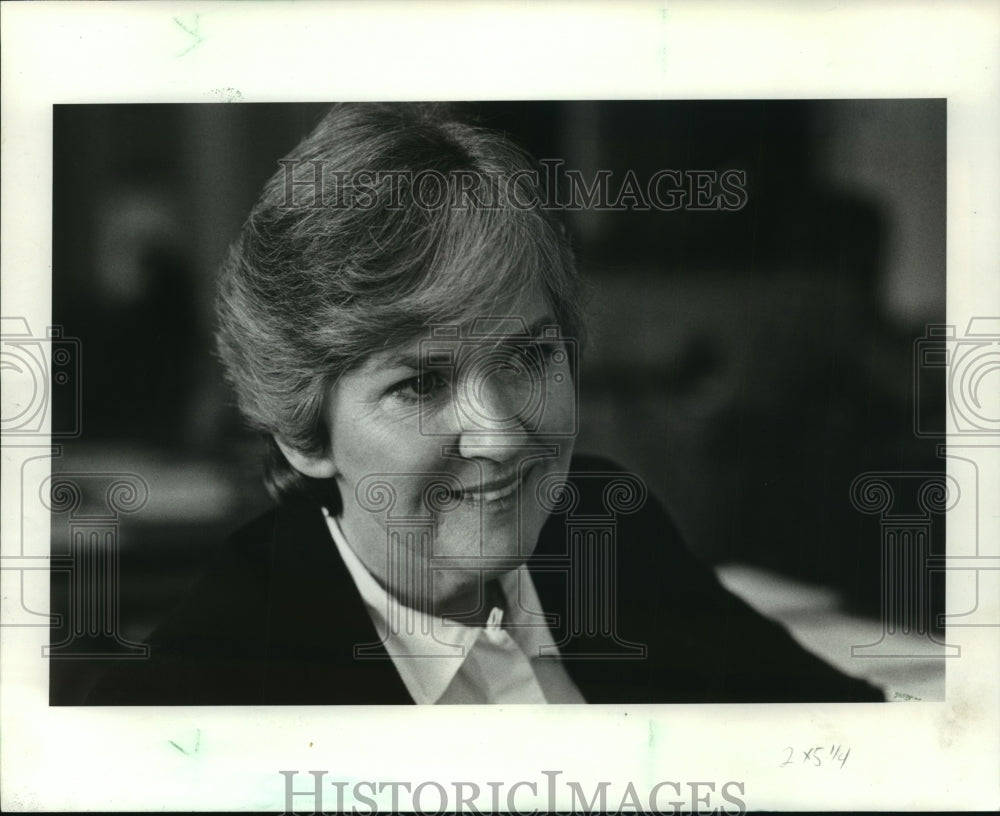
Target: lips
x=493 y=491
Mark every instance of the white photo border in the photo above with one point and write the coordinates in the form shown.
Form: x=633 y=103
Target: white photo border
x=907 y=756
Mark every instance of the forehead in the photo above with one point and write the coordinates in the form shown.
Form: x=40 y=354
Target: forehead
x=525 y=314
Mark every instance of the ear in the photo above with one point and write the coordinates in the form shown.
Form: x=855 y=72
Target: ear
x=319 y=466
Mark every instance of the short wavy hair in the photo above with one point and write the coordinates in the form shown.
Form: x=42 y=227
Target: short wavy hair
x=316 y=284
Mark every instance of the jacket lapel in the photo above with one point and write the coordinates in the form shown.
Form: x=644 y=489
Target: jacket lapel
x=316 y=619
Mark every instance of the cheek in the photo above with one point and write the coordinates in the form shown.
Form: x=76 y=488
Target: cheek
x=560 y=408
x=364 y=442
x=401 y=459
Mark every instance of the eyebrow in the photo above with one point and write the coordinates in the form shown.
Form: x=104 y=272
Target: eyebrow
x=408 y=358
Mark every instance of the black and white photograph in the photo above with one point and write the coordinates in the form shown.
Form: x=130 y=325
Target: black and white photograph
x=661 y=423
x=481 y=380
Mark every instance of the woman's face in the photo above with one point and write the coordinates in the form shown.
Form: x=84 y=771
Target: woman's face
x=438 y=464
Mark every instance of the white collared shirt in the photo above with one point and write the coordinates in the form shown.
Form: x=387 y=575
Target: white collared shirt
x=441 y=661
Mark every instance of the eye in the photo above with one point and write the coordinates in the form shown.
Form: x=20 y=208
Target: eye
x=422 y=387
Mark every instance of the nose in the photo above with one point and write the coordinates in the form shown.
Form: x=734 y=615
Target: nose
x=495 y=411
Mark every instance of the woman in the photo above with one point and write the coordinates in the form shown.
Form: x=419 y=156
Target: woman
x=400 y=318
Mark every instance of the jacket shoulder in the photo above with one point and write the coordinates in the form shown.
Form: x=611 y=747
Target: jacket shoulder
x=671 y=600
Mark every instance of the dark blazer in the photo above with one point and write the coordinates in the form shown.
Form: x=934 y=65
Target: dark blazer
x=275 y=622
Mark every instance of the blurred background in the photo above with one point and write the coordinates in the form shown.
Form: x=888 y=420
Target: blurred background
x=746 y=364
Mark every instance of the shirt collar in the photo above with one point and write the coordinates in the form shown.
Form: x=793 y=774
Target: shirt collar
x=428 y=658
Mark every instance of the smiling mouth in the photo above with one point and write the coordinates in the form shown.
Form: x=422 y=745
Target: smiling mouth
x=495 y=492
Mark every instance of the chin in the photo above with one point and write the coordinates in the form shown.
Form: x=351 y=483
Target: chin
x=484 y=536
